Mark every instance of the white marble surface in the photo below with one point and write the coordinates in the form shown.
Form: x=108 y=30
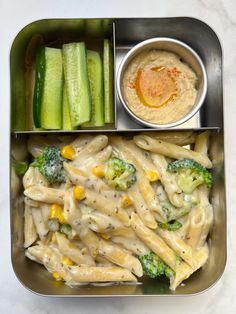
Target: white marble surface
x=221 y=15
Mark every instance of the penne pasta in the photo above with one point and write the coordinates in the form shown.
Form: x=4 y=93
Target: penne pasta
x=178 y=245
x=32 y=203
x=45 y=210
x=102 y=261
x=154 y=242
x=205 y=223
x=81 y=141
x=184 y=271
x=93 y=147
x=132 y=244
x=79 y=178
x=201 y=143
x=37 y=143
x=120 y=257
x=142 y=209
x=196 y=224
x=73 y=216
x=170 y=150
x=181 y=233
x=99 y=202
x=99 y=158
x=30 y=233
x=70 y=250
x=39 y=222
x=168 y=180
x=89 y=238
x=50 y=259
x=101 y=221
x=181 y=138
x=75 y=274
x=34 y=177
x=71 y=211
x=45 y=194
x=143 y=157
x=143 y=183
x=100 y=274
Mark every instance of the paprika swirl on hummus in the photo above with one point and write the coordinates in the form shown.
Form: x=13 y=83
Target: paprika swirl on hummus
x=158 y=87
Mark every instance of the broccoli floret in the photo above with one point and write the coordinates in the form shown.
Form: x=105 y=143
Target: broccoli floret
x=50 y=164
x=173 y=213
x=190 y=174
x=20 y=167
x=119 y=174
x=172 y=225
x=67 y=230
x=178 y=260
x=154 y=267
x=169 y=273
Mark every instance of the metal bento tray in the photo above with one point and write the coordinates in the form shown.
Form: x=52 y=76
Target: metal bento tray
x=124 y=34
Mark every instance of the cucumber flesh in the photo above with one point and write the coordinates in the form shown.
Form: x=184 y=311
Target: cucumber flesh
x=66 y=120
x=96 y=88
x=108 y=66
x=77 y=82
x=52 y=90
x=38 y=87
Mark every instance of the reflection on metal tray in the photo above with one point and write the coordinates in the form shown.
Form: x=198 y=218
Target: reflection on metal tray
x=125 y=33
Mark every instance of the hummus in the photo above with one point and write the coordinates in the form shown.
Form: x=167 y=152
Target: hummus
x=158 y=87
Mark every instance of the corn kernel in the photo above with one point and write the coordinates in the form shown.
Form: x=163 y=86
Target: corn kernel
x=105 y=236
x=56 y=276
x=79 y=193
x=56 y=211
x=126 y=201
x=98 y=171
x=68 y=152
x=66 y=260
x=152 y=175
x=61 y=218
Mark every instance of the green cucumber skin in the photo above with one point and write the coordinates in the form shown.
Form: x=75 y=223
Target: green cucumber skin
x=95 y=74
x=66 y=120
x=39 y=84
x=108 y=66
x=51 y=108
x=77 y=82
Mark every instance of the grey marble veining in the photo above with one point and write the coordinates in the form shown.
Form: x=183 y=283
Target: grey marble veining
x=221 y=15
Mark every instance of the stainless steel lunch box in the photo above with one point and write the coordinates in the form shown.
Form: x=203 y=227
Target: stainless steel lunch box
x=124 y=33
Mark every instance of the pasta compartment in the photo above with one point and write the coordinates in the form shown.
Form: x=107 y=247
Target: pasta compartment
x=37 y=279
